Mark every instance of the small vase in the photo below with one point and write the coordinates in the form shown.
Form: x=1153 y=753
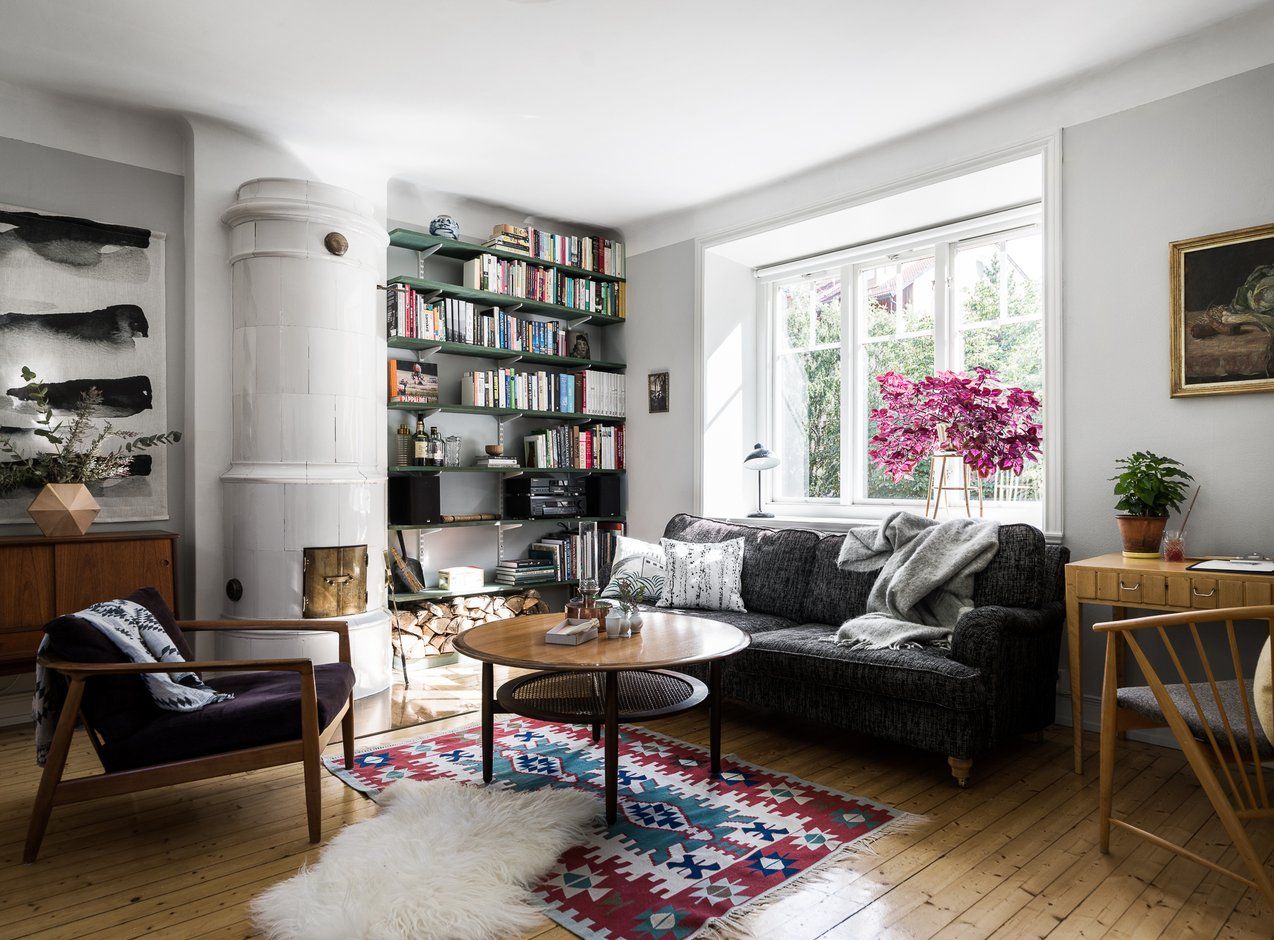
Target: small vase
x=444 y=226
x=634 y=622
x=62 y=509
x=616 y=624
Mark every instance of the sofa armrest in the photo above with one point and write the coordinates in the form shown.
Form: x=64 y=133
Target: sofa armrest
x=1017 y=650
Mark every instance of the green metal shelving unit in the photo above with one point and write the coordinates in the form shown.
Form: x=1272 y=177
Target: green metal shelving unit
x=427 y=246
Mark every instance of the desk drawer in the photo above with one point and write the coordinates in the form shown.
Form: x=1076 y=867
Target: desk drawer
x=1134 y=589
x=1204 y=593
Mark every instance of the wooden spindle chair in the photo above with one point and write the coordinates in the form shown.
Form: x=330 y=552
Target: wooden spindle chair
x=1213 y=720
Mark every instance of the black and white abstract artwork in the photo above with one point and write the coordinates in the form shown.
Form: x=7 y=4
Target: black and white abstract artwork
x=82 y=305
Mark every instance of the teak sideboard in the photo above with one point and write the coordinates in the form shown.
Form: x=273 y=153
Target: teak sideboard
x=1146 y=584
x=42 y=578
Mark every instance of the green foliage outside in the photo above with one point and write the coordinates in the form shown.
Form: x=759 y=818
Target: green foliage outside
x=809 y=381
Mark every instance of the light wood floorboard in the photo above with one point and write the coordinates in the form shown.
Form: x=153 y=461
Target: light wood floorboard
x=1013 y=856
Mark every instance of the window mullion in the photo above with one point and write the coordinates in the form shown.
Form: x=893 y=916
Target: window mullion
x=848 y=385
x=942 y=306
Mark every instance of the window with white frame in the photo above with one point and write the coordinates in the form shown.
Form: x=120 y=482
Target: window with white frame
x=958 y=297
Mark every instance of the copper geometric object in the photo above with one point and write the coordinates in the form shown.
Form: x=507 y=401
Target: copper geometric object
x=64 y=509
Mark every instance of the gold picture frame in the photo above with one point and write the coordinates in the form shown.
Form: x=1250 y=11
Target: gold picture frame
x=1223 y=313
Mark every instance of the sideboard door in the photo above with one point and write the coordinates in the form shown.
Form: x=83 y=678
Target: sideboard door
x=26 y=585
x=89 y=572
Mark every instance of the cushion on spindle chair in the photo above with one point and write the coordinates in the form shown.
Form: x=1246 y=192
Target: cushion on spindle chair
x=1141 y=699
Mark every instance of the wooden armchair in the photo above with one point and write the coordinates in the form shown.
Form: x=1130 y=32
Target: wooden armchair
x=1210 y=710
x=272 y=720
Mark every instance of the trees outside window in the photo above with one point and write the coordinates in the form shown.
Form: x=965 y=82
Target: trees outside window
x=956 y=303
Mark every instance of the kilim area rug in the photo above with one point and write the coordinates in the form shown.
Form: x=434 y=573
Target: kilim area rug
x=687 y=850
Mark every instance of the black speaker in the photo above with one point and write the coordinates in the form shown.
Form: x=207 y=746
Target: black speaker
x=414 y=500
x=602 y=495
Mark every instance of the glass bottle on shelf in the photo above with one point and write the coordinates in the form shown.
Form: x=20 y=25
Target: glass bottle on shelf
x=420 y=445
x=402 y=446
x=437 y=449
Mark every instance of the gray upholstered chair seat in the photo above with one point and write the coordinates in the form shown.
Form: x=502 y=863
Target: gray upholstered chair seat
x=804 y=654
x=1139 y=699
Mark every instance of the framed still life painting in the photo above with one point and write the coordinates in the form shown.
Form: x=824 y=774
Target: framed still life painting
x=1223 y=313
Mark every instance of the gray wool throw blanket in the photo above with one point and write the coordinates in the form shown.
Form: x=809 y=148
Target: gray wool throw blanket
x=926 y=578
x=141 y=638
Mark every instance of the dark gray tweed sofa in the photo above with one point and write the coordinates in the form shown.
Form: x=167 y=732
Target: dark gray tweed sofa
x=998 y=679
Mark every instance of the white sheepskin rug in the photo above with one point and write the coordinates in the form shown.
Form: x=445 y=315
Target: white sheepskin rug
x=441 y=859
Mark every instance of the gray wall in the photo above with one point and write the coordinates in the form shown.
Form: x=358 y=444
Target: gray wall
x=659 y=336
x=1193 y=164
x=58 y=181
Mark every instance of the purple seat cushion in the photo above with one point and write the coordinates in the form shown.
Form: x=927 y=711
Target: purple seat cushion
x=266 y=709
x=114 y=705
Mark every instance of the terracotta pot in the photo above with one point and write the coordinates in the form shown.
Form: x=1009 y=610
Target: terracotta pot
x=1141 y=535
x=64 y=509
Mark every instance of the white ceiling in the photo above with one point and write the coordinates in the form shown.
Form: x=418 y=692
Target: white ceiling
x=604 y=111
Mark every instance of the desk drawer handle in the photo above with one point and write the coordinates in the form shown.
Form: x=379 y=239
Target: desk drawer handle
x=1129 y=587
x=1197 y=593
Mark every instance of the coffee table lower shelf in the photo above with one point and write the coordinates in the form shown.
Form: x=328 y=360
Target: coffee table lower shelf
x=602 y=698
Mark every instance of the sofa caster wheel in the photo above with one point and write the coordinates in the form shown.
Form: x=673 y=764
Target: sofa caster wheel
x=960 y=768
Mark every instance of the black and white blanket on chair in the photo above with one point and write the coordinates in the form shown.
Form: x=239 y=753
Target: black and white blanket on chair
x=141 y=638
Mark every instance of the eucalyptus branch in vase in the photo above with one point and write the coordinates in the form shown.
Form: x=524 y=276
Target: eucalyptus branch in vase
x=82 y=449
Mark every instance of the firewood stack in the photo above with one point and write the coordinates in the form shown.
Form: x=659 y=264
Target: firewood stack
x=431 y=629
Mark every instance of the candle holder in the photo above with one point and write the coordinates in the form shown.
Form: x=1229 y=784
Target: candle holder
x=586 y=604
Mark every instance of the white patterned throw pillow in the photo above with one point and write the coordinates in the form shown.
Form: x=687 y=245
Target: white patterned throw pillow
x=703 y=575
x=640 y=565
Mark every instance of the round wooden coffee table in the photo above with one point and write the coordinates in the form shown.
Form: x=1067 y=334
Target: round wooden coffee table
x=602 y=682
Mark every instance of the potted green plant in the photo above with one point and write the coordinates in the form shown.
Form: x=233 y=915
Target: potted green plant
x=64 y=505
x=1149 y=487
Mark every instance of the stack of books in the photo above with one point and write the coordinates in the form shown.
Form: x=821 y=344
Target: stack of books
x=531 y=282
x=519 y=571
x=590 y=251
x=562 y=551
x=509 y=238
x=409 y=315
x=502 y=462
x=509 y=388
x=597 y=448
x=458 y=321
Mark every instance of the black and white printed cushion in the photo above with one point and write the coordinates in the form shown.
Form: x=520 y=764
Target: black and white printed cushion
x=640 y=565
x=703 y=575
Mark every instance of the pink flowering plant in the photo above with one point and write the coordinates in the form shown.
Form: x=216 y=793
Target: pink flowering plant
x=991 y=427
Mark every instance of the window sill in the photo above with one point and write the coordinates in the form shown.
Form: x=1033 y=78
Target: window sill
x=831 y=524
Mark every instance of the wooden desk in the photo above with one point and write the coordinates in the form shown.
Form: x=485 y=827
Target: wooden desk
x=42 y=578
x=1145 y=584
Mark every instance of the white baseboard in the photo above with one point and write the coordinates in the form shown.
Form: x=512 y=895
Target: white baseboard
x=1092 y=721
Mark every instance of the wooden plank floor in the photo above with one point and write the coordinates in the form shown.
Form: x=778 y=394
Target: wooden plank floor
x=1013 y=856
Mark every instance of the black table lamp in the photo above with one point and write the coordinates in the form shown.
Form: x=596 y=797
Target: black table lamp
x=760 y=459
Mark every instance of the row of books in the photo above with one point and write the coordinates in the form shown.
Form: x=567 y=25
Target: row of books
x=520 y=571
x=409 y=315
x=560 y=553
x=573 y=392
x=591 y=252
x=529 y=281
x=595 y=448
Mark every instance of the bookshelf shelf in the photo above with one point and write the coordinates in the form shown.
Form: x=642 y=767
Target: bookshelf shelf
x=506 y=302
x=450 y=248
x=502 y=412
x=502 y=355
x=492 y=587
x=522 y=471
x=493 y=523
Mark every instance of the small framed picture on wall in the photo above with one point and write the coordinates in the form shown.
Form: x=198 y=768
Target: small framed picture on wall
x=657 y=392
x=1223 y=313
